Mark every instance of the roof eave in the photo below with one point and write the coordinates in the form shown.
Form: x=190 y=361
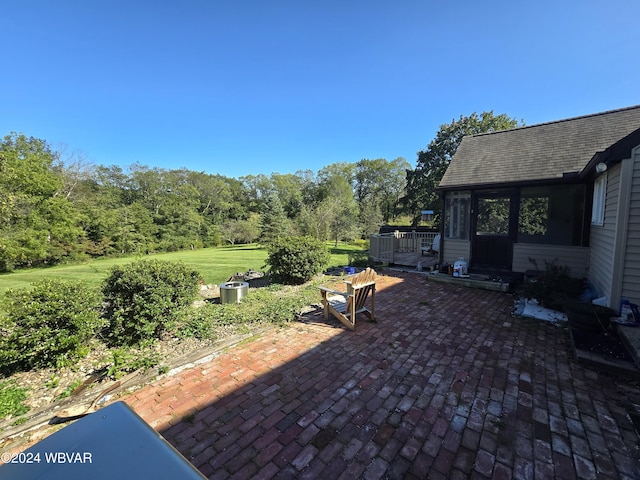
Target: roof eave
x=612 y=155
x=568 y=178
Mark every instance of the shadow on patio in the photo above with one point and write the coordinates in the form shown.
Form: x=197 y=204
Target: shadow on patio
x=446 y=385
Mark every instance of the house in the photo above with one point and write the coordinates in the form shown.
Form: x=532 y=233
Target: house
x=567 y=191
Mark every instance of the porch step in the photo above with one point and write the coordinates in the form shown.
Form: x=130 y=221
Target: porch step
x=630 y=336
x=473 y=281
x=613 y=366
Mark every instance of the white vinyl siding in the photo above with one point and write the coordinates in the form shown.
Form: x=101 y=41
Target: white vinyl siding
x=455 y=249
x=631 y=269
x=576 y=258
x=602 y=237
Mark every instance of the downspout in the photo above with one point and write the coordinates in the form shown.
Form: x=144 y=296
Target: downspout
x=622 y=229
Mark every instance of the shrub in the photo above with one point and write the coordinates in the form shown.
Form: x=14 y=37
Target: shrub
x=554 y=287
x=125 y=360
x=142 y=299
x=49 y=325
x=12 y=399
x=6 y=265
x=196 y=323
x=362 y=243
x=358 y=259
x=295 y=260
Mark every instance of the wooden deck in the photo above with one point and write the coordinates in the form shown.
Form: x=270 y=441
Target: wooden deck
x=403 y=248
x=411 y=259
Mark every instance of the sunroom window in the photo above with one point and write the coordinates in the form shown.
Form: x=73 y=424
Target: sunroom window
x=551 y=215
x=457 y=207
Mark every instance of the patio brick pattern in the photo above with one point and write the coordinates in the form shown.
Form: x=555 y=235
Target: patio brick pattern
x=447 y=384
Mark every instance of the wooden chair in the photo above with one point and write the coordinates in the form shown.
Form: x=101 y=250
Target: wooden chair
x=345 y=306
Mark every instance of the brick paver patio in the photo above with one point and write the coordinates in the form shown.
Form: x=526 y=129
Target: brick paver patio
x=446 y=385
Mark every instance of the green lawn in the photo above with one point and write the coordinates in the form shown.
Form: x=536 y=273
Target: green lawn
x=215 y=264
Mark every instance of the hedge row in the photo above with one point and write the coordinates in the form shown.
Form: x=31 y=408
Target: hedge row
x=51 y=324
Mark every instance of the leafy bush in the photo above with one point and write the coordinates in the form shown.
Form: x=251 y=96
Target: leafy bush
x=49 y=325
x=359 y=259
x=196 y=323
x=126 y=361
x=554 y=287
x=11 y=399
x=142 y=299
x=295 y=260
x=6 y=264
x=361 y=242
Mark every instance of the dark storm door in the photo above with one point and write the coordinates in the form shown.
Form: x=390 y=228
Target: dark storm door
x=494 y=226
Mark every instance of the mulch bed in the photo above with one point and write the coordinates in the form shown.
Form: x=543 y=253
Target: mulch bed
x=606 y=344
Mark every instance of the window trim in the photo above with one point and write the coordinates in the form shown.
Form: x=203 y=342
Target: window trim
x=599 y=200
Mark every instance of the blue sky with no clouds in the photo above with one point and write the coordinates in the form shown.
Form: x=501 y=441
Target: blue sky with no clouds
x=247 y=87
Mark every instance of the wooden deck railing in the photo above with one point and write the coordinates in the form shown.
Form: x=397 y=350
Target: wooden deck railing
x=383 y=246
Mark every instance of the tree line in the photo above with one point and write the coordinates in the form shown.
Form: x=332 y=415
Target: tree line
x=56 y=206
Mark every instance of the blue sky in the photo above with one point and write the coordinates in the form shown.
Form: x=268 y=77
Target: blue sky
x=247 y=87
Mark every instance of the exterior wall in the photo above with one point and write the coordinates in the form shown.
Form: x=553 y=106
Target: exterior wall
x=602 y=238
x=576 y=258
x=454 y=249
x=631 y=267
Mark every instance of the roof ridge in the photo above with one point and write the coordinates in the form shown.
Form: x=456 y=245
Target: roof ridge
x=579 y=117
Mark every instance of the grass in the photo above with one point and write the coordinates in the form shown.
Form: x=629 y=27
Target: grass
x=215 y=265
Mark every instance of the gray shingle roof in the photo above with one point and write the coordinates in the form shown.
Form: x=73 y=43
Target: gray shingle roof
x=538 y=152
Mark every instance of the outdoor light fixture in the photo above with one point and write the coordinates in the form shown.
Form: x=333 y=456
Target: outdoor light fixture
x=601 y=167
